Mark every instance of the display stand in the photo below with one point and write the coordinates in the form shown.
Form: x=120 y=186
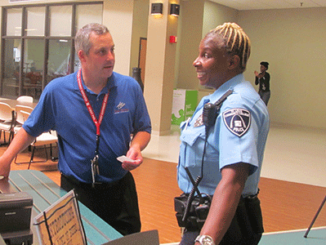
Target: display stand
x=184 y=105
x=61 y=222
x=314 y=219
x=2 y=242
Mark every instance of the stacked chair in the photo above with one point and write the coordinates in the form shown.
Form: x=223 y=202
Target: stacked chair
x=7 y=121
x=46 y=138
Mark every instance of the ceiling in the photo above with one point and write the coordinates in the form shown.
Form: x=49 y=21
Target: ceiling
x=270 y=4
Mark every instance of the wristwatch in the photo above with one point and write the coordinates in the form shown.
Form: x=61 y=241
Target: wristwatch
x=205 y=240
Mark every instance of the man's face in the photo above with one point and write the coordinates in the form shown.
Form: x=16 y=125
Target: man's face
x=211 y=63
x=101 y=58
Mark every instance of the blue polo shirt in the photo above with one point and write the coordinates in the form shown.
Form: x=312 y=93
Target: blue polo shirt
x=62 y=108
x=239 y=135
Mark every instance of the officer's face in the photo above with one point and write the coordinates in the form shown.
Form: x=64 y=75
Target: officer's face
x=211 y=63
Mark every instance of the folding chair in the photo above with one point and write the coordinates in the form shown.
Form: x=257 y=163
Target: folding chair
x=25 y=98
x=7 y=121
x=46 y=138
x=19 y=116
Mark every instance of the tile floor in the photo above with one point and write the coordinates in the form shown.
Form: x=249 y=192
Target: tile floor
x=292 y=153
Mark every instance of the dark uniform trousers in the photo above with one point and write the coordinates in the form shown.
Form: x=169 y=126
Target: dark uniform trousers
x=246 y=227
x=116 y=203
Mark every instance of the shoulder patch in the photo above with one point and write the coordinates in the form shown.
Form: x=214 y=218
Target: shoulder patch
x=237 y=121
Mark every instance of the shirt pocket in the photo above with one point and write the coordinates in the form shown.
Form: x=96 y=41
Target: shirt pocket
x=192 y=146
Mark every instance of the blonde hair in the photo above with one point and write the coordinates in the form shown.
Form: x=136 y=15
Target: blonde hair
x=236 y=41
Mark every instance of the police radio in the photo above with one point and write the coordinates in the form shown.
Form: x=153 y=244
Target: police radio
x=211 y=111
x=209 y=115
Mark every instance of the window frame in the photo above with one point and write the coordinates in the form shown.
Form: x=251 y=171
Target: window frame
x=46 y=38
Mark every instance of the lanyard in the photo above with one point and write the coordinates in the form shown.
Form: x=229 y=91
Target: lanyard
x=91 y=111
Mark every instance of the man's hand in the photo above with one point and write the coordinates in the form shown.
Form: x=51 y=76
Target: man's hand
x=131 y=165
x=21 y=140
x=4 y=168
x=138 y=143
x=137 y=158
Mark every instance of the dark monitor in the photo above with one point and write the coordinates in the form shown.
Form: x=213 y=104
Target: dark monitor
x=143 y=238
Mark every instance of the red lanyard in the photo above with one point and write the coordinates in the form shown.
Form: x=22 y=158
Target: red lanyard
x=89 y=107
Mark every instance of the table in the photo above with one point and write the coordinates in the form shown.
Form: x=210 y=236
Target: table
x=30 y=88
x=317 y=236
x=45 y=192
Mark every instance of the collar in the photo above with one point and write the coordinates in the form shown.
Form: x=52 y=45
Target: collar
x=230 y=84
x=110 y=84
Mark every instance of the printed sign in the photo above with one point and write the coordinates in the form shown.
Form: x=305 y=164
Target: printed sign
x=61 y=223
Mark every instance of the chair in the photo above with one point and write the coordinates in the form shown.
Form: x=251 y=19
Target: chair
x=19 y=116
x=25 y=98
x=46 y=138
x=7 y=121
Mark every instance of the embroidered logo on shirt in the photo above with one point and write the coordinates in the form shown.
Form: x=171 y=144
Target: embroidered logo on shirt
x=120 y=109
x=120 y=105
x=237 y=121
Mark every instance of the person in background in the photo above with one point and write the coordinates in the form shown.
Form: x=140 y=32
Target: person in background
x=94 y=112
x=263 y=79
x=221 y=150
x=33 y=68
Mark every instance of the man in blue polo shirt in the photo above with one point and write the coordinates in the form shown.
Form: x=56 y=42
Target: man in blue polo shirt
x=94 y=112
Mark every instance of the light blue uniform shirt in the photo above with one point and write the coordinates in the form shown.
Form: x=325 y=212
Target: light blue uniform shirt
x=239 y=135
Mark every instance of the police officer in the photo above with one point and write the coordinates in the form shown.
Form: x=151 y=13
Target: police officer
x=235 y=143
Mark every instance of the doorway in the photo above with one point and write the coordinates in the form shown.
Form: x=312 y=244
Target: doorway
x=142 y=57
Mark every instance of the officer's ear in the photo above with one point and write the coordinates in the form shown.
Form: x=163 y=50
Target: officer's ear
x=234 y=62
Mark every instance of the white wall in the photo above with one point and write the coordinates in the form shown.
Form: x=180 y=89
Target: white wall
x=139 y=29
x=293 y=42
x=118 y=16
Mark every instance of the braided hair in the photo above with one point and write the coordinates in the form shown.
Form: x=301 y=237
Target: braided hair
x=235 y=40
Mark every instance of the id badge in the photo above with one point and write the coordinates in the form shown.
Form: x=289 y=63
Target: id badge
x=95 y=169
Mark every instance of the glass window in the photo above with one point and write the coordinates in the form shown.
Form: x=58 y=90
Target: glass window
x=86 y=14
x=14 y=22
x=60 y=20
x=77 y=64
x=33 y=67
x=46 y=38
x=59 y=58
x=35 y=21
x=11 y=67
